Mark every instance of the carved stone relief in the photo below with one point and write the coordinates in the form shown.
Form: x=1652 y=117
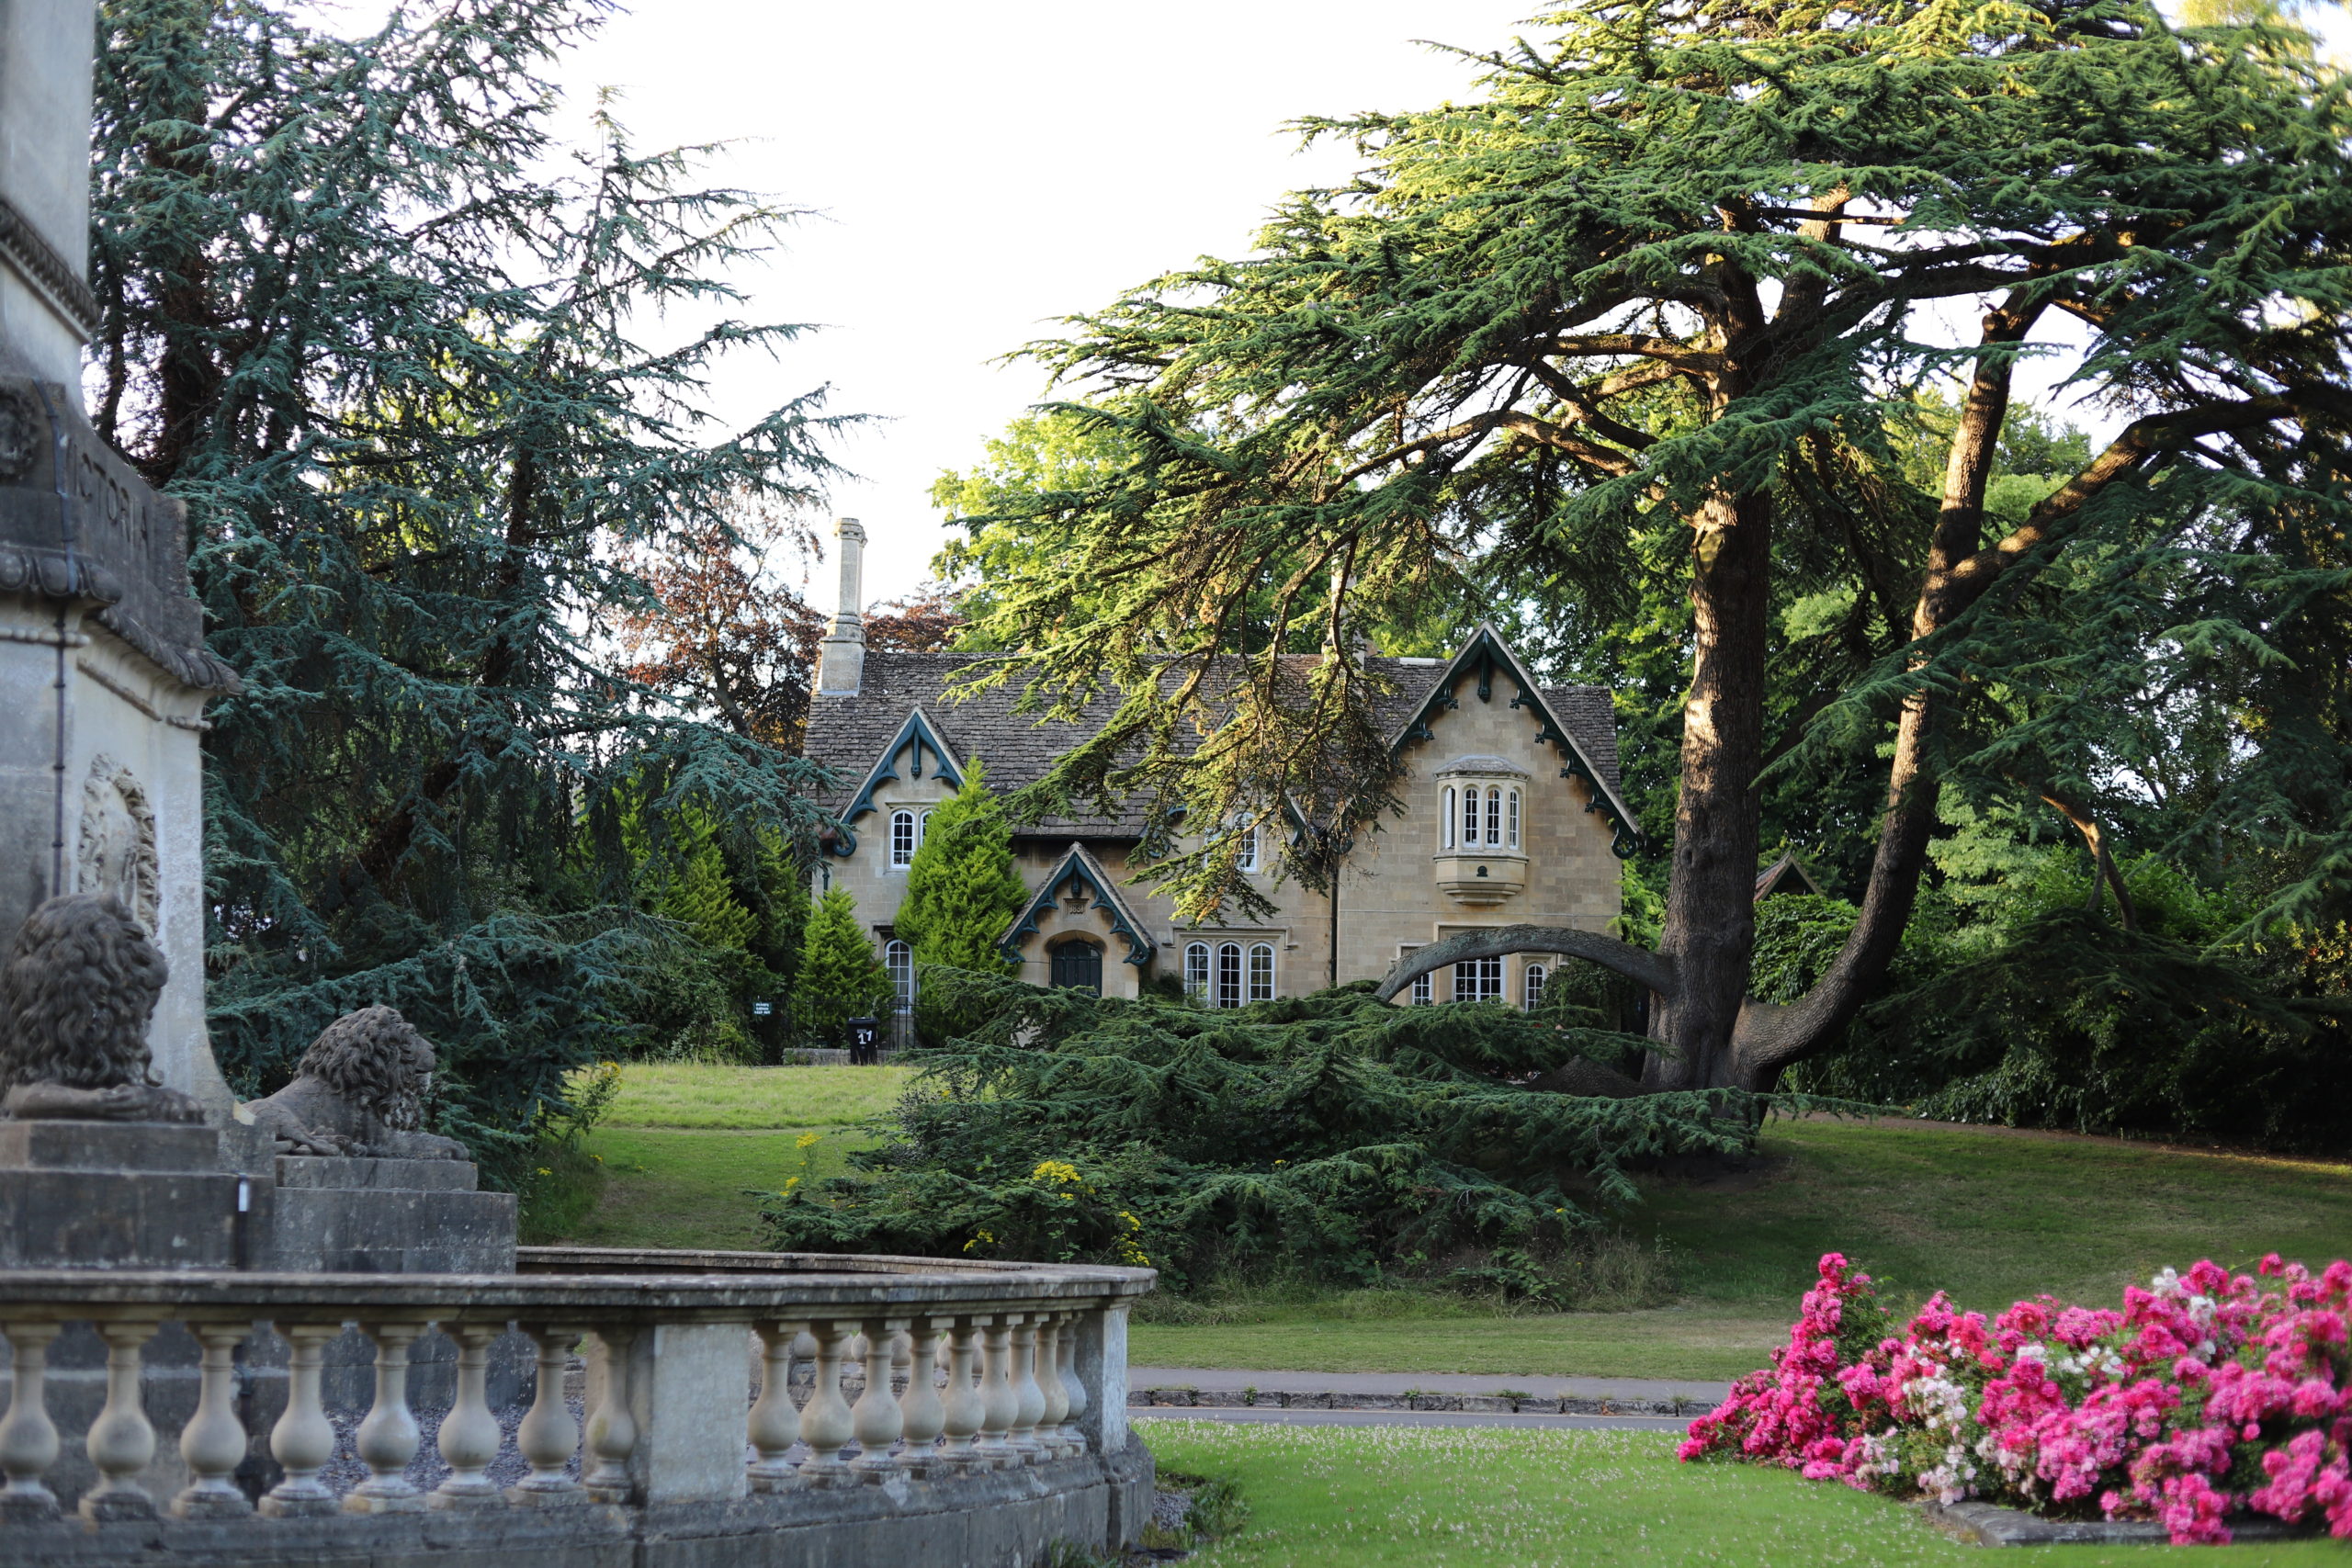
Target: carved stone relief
x=117 y=857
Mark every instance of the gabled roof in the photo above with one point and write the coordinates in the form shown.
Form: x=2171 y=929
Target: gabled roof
x=856 y=736
x=1486 y=657
x=1786 y=875
x=915 y=737
x=1076 y=869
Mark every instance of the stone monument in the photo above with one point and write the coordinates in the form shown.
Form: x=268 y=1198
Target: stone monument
x=104 y=674
x=120 y=1144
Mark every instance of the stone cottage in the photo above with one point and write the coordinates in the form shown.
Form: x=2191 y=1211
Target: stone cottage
x=1512 y=816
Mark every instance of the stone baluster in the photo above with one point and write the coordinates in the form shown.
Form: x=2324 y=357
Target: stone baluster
x=1031 y=1399
x=925 y=1412
x=826 y=1425
x=121 y=1440
x=1049 y=1383
x=303 y=1440
x=612 y=1426
x=1073 y=1388
x=965 y=1406
x=877 y=1420
x=1001 y=1404
x=28 y=1443
x=213 y=1444
x=548 y=1436
x=775 y=1423
x=388 y=1439
x=470 y=1434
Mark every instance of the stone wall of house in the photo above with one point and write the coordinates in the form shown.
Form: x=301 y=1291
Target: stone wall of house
x=1391 y=898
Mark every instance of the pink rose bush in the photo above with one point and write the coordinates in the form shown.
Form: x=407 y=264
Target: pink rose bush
x=2210 y=1393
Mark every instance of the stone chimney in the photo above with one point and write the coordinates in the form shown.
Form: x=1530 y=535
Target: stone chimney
x=841 y=657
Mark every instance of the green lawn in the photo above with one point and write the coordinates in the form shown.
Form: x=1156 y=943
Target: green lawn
x=685 y=1094
x=1985 y=1214
x=1359 y=1497
x=684 y=1146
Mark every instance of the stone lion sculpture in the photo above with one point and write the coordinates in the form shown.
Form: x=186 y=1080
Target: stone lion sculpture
x=360 y=1089
x=76 y=992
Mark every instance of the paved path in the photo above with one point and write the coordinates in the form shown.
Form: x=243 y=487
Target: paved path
x=1262 y=1416
x=1227 y=1381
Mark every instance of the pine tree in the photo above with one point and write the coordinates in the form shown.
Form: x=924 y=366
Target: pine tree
x=840 y=977
x=389 y=355
x=1636 y=323
x=962 y=889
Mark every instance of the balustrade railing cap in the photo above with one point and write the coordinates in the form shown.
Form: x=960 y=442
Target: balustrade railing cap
x=732 y=1291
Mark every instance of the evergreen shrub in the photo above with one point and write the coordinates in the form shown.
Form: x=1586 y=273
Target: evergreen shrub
x=1329 y=1135
x=840 y=977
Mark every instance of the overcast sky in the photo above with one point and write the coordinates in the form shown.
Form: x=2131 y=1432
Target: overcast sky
x=981 y=169
x=984 y=168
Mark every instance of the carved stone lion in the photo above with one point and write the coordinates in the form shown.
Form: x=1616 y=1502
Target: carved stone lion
x=78 y=988
x=360 y=1089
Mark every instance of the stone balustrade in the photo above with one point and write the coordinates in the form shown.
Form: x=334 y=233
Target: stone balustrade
x=977 y=1410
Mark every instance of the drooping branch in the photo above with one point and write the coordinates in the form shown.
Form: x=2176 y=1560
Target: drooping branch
x=1635 y=963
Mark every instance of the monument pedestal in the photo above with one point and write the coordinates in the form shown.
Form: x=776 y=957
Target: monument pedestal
x=343 y=1214
x=119 y=1195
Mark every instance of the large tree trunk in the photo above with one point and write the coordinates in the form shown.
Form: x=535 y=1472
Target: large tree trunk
x=1709 y=911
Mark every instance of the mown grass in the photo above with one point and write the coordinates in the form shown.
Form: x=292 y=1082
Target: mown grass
x=684 y=1149
x=1985 y=1214
x=1360 y=1497
x=686 y=1094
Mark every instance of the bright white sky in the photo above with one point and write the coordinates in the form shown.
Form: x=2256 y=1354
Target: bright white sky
x=985 y=168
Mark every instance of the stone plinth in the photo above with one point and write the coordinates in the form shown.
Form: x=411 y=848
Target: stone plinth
x=117 y=1195
x=345 y=1216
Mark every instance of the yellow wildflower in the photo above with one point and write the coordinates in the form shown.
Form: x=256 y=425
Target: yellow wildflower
x=808 y=1140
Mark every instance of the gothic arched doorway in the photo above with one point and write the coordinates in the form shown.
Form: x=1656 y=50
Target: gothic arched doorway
x=1078 y=966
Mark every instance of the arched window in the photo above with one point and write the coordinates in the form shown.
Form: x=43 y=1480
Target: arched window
x=1479 y=980
x=1470 y=819
x=902 y=839
x=1261 y=973
x=922 y=826
x=1196 y=971
x=1248 y=860
x=1228 y=974
x=1445 y=821
x=1494 y=818
x=1537 y=975
x=899 y=960
x=1510 y=819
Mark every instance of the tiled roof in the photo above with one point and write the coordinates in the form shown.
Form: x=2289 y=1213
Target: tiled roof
x=848 y=734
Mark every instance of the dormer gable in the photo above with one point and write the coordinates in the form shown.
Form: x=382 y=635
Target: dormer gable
x=1484 y=663
x=918 y=748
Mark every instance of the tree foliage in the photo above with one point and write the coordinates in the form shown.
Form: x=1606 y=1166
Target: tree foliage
x=840 y=978
x=1331 y=1134
x=962 y=890
x=1660 y=316
x=384 y=337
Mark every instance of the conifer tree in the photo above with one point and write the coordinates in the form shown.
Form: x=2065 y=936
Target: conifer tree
x=840 y=977
x=400 y=365
x=1637 y=320
x=962 y=889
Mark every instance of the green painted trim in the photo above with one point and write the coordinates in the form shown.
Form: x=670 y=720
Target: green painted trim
x=1075 y=868
x=916 y=733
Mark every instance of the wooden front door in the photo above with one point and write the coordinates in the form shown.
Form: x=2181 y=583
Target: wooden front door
x=1077 y=966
